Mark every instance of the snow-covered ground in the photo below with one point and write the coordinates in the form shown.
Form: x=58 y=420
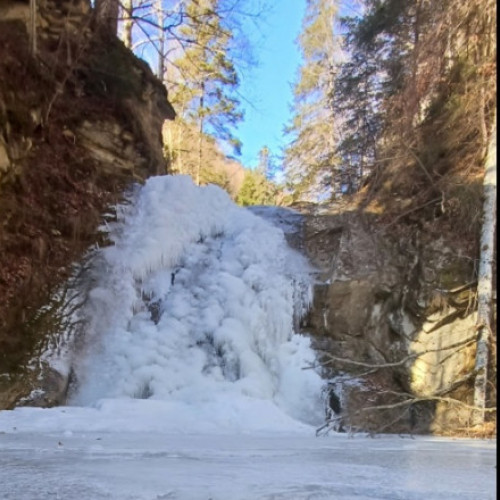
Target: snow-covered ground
x=152 y=465
x=190 y=379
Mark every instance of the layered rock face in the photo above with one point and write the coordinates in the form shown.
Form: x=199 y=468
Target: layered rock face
x=80 y=119
x=90 y=68
x=393 y=315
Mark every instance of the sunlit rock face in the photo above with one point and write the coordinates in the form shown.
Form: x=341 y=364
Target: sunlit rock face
x=112 y=147
x=442 y=364
x=395 y=299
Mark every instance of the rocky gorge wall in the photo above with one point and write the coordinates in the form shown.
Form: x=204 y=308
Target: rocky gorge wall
x=80 y=119
x=393 y=317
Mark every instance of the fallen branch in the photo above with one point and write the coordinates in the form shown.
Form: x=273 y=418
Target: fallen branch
x=378 y=366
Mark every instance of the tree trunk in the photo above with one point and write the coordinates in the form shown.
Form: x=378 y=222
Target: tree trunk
x=485 y=279
x=200 y=153
x=180 y=141
x=169 y=142
x=128 y=23
x=33 y=16
x=106 y=16
x=160 y=19
x=200 y=143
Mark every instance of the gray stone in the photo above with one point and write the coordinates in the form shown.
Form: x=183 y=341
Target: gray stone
x=378 y=305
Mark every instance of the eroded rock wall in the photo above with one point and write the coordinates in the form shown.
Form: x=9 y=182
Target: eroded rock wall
x=80 y=120
x=393 y=313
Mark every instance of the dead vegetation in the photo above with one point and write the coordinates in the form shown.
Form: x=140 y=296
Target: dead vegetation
x=53 y=194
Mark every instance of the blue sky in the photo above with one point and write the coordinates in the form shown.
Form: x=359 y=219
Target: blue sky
x=266 y=90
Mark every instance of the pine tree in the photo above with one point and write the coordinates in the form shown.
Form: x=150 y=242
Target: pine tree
x=191 y=45
x=413 y=79
x=356 y=101
x=256 y=190
x=310 y=156
x=203 y=78
x=264 y=161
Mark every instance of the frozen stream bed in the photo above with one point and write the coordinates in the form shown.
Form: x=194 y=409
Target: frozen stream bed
x=150 y=465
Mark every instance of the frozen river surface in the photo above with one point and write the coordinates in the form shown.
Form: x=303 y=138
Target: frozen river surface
x=95 y=465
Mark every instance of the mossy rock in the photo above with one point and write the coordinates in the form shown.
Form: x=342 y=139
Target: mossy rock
x=43 y=387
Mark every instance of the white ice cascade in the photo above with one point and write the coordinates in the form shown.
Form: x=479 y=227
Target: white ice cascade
x=194 y=305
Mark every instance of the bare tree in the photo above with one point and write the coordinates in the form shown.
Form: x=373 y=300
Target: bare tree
x=485 y=279
x=397 y=406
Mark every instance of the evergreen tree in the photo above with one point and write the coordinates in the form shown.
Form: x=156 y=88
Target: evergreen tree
x=193 y=45
x=359 y=85
x=256 y=190
x=415 y=73
x=203 y=78
x=269 y=166
x=264 y=161
x=310 y=156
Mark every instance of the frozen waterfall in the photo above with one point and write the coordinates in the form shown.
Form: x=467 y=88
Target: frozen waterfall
x=192 y=309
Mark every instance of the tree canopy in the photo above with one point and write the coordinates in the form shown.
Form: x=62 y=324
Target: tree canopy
x=310 y=156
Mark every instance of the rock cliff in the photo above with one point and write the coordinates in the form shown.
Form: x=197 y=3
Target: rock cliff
x=394 y=318
x=80 y=118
